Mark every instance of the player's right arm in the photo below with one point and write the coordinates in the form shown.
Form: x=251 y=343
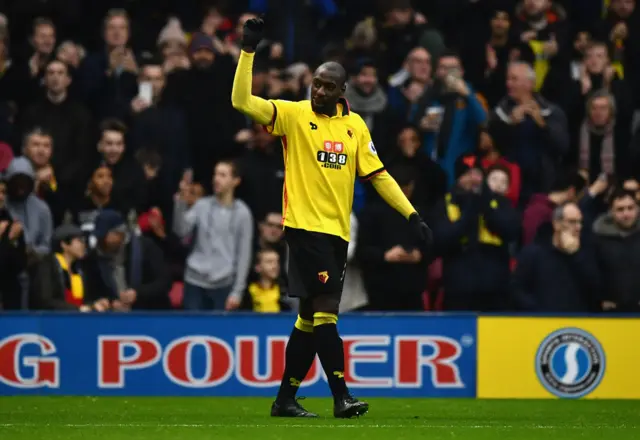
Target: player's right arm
x=276 y=115
x=258 y=109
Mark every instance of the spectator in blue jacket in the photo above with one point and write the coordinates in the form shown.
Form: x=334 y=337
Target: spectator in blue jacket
x=449 y=114
x=473 y=228
x=557 y=273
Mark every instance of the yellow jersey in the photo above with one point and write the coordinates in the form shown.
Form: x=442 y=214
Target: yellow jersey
x=265 y=300
x=322 y=155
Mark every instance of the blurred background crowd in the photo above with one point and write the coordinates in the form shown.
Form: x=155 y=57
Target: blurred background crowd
x=130 y=183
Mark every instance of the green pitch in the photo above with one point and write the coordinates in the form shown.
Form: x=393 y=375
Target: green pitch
x=68 y=418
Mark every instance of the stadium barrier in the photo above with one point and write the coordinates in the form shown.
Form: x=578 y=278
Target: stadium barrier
x=393 y=355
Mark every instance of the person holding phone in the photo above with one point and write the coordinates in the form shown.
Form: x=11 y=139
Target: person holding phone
x=160 y=125
x=449 y=115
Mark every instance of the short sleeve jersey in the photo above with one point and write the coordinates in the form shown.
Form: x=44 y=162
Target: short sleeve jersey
x=322 y=156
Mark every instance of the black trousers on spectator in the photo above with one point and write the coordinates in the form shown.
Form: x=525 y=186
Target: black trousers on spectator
x=395 y=302
x=476 y=302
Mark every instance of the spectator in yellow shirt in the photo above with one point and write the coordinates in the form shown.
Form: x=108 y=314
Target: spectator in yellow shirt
x=264 y=295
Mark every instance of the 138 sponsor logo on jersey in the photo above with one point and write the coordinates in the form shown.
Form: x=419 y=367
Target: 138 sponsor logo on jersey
x=332 y=155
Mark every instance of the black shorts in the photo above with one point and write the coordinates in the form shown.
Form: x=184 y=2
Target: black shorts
x=317 y=263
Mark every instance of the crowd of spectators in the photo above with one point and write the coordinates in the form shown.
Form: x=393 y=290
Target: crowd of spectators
x=130 y=183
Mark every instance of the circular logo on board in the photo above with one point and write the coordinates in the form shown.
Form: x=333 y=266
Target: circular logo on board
x=372 y=148
x=570 y=363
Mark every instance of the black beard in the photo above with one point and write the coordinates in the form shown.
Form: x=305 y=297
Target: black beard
x=327 y=109
x=202 y=65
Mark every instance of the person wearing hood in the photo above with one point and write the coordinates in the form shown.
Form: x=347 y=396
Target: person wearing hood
x=617 y=245
x=59 y=283
x=125 y=267
x=25 y=207
x=449 y=115
x=368 y=99
x=558 y=272
x=13 y=255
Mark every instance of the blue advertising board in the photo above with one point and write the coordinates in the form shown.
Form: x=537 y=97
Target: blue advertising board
x=229 y=355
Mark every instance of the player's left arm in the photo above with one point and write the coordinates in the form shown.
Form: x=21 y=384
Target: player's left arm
x=370 y=167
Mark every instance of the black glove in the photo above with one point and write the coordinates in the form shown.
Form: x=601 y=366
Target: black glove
x=420 y=228
x=252 y=34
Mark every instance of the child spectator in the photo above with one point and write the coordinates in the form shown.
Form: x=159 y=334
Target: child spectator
x=265 y=295
x=498 y=179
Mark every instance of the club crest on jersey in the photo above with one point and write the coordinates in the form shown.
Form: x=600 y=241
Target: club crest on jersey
x=323 y=276
x=350 y=134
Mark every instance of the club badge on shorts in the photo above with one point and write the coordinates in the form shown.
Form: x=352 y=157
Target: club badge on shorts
x=323 y=276
x=570 y=363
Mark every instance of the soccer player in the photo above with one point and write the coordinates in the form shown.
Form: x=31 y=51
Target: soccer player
x=324 y=145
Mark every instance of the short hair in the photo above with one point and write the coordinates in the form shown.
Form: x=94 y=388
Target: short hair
x=499 y=167
x=363 y=63
x=35 y=131
x=596 y=44
x=55 y=60
x=113 y=13
x=449 y=53
x=621 y=193
x=261 y=252
x=113 y=124
x=566 y=179
x=530 y=71
x=558 y=211
x=146 y=156
x=41 y=21
x=337 y=68
x=602 y=93
x=234 y=165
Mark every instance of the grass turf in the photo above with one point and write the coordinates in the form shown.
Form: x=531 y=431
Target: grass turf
x=68 y=418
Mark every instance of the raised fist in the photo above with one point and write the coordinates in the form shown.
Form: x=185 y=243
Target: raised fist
x=252 y=34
